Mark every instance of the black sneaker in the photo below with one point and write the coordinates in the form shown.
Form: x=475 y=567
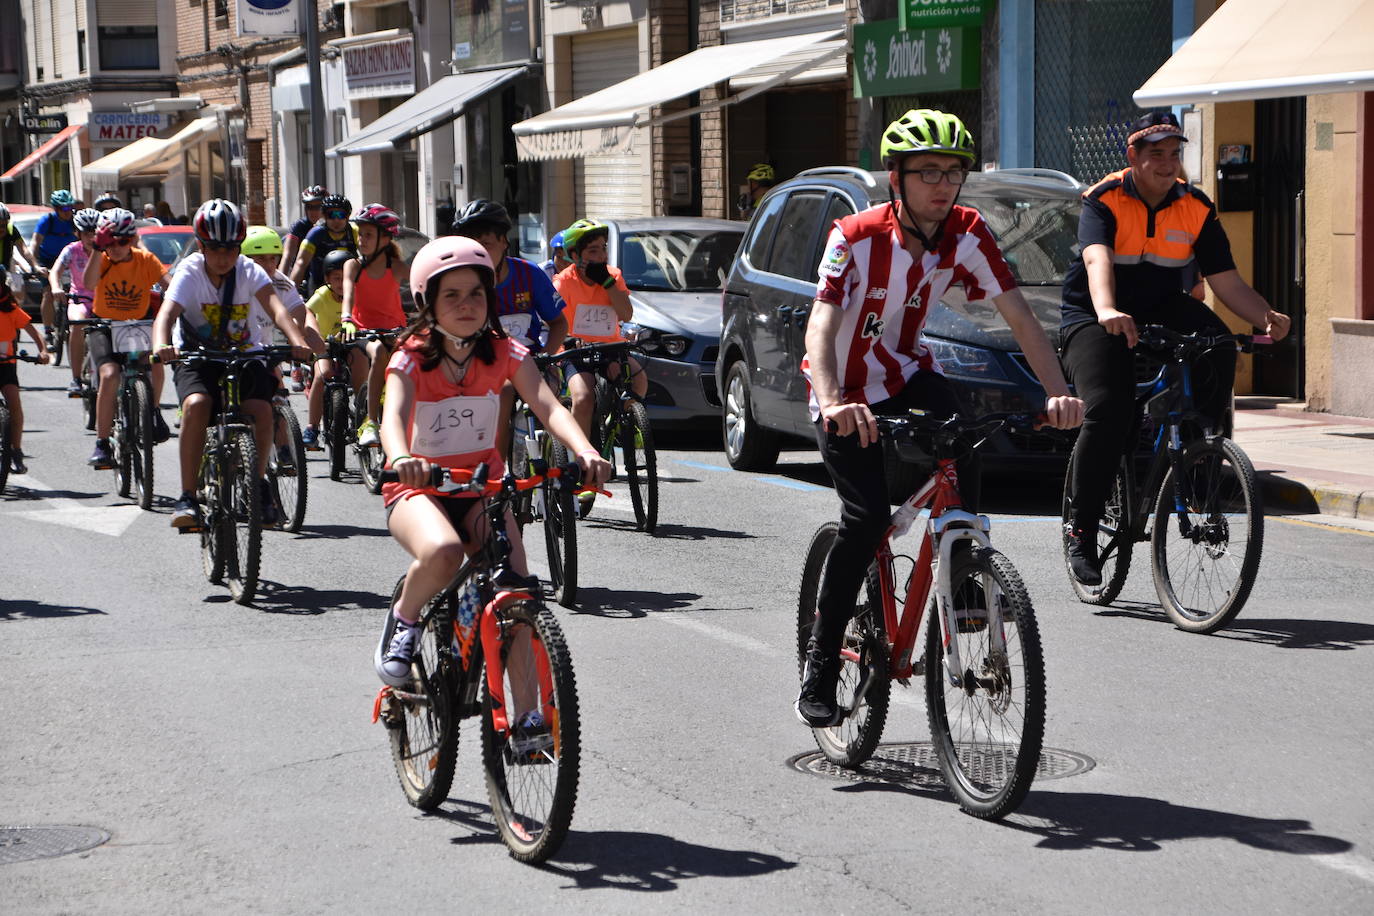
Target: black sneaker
x=186 y=512
x=1083 y=562
x=270 y=516
x=102 y=459
x=17 y=462
x=160 y=431
x=816 y=705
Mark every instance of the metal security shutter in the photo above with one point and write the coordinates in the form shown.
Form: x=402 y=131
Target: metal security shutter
x=126 y=12
x=609 y=187
x=42 y=38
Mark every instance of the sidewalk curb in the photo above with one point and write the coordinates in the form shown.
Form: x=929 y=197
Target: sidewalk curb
x=1307 y=498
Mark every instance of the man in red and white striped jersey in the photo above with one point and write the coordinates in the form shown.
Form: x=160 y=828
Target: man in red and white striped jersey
x=882 y=271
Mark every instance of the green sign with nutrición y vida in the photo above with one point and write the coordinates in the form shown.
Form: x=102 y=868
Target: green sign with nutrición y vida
x=891 y=61
x=929 y=14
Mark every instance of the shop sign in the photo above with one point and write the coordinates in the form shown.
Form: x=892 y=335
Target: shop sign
x=270 y=17
x=45 y=124
x=380 y=69
x=613 y=140
x=929 y=14
x=891 y=61
x=492 y=32
x=124 y=127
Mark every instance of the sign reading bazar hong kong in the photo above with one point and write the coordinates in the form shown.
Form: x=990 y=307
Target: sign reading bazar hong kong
x=891 y=61
x=124 y=126
x=927 y=14
x=379 y=69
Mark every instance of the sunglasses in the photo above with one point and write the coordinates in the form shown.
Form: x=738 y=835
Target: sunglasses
x=336 y=214
x=122 y=243
x=222 y=246
x=65 y=209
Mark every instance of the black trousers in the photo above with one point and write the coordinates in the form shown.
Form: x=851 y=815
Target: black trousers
x=1101 y=369
x=864 y=508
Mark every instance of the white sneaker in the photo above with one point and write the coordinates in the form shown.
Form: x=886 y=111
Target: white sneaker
x=369 y=434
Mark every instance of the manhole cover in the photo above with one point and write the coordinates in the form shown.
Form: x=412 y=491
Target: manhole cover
x=915 y=765
x=20 y=844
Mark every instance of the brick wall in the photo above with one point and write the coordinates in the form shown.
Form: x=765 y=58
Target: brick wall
x=714 y=193
x=672 y=142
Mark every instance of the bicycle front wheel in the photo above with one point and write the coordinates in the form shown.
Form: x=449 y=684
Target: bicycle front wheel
x=532 y=768
x=61 y=334
x=865 y=687
x=123 y=442
x=140 y=434
x=988 y=727
x=287 y=470
x=1207 y=537
x=1115 y=539
x=242 y=519
x=371 y=459
x=212 y=538
x=560 y=534
x=641 y=465
x=420 y=718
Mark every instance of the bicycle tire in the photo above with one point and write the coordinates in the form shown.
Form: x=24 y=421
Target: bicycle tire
x=122 y=442
x=371 y=458
x=5 y=446
x=141 y=441
x=987 y=764
x=61 y=334
x=560 y=534
x=533 y=791
x=1203 y=583
x=641 y=465
x=289 y=485
x=423 y=731
x=88 y=393
x=863 y=654
x=337 y=432
x=212 y=541
x=242 y=520
x=1118 y=512
x=517 y=460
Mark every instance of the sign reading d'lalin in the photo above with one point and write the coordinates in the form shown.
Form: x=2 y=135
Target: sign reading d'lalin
x=270 y=17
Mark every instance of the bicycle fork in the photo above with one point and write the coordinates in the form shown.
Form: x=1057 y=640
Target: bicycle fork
x=947 y=530
x=493 y=635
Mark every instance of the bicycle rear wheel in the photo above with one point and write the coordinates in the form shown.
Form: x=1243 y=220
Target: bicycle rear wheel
x=560 y=534
x=420 y=719
x=1115 y=539
x=212 y=536
x=338 y=431
x=371 y=459
x=140 y=433
x=288 y=475
x=5 y=452
x=532 y=770
x=242 y=519
x=864 y=686
x=641 y=465
x=1207 y=538
x=987 y=729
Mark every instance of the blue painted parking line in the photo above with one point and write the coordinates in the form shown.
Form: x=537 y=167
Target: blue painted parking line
x=792 y=484
x=704 y=467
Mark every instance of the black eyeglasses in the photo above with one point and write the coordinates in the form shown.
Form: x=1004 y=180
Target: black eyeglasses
x=935 y=176
x=221 y=246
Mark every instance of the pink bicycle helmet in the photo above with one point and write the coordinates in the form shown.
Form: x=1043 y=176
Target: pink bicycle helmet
x=447 y=253
x=381 y=216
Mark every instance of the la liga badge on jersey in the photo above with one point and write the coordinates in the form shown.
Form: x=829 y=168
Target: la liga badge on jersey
x=836 y=259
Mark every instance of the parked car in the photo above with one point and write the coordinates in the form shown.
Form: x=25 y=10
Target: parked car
x=675 y=268
x=169 y=243
x=25 y=218
x=771 y=287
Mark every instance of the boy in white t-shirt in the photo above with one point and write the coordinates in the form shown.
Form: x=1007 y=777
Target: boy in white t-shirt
x=194 y=304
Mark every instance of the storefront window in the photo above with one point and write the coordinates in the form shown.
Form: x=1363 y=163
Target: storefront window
x=128 y=47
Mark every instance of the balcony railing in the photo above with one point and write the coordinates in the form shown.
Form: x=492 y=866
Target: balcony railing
x=748 y=10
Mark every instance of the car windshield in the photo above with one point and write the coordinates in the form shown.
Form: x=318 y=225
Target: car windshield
x=166 y=245
x=1038 y=235
x=678 y=260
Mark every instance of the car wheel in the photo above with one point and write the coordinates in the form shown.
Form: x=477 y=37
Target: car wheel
x=748 y=446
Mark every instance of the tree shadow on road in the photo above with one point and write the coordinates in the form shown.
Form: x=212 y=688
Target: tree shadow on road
x=1128 y=823
x=621 y=859
x=668 y=532
x=1340 y=635
x=339 y=532
x=19 y=491
x=37 y=610
x=276 y=598
x=622 y=604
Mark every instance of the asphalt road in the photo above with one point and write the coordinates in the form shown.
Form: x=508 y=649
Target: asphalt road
x=228 y=753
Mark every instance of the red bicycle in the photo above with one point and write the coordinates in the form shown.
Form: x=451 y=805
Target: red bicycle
x=984 y=673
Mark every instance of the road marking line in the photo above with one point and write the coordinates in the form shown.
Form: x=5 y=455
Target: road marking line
x=698 y=464
x=1325 y=526
x=792 y=484
x=60 y=510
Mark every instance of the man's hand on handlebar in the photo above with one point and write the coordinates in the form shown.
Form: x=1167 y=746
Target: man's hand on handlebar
x=1064 y=412
x=1277 y=325
x=166 y=354
x=847 y=419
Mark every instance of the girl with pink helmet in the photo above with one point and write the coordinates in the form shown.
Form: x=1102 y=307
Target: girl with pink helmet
x=453 y=357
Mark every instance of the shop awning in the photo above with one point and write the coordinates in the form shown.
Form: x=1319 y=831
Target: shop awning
x=818 y=63
x=50 y=147
x=1266 y=49
x=604 y=122
x=433 y=107
x=145 y=156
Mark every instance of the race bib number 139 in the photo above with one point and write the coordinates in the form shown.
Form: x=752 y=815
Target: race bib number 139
x=455 y=426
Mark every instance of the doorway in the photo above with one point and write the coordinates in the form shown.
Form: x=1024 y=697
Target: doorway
x=1280 y=219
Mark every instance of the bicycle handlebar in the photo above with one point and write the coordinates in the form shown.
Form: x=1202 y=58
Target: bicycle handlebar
x=1159 y=337
x=24 y=357
x=475 y=480
x=588 y=352
x=920 y=421
x=272 y=354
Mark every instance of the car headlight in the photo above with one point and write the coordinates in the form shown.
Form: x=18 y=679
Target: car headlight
x=964 y=361
x=654 y=341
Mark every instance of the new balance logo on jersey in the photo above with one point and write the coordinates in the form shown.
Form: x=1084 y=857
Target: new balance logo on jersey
x=877 y=292
x=873 y=325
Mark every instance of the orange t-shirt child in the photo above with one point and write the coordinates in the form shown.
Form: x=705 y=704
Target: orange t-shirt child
x=588 y=306
x=11 y=323
x=125 y=290
x=453 y=424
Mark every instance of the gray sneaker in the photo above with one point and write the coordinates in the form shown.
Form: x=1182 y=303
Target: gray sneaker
x=531 y=738
x=395 y=653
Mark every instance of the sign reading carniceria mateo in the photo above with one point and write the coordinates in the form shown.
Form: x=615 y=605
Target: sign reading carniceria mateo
x=891 y=61
x=270 y=17
x=124 y=126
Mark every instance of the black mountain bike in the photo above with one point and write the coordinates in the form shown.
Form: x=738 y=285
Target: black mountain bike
x=490 y=648
x=286 y=469
x=231 y=510
x=1199 y=489
x=345 y=408
x=6 y=452
x=132 y=438
x=620 y=426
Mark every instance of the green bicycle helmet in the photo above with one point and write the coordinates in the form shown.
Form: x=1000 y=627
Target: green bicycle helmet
x=261 y=240
x=582 y=232
x=925 y=130
x=761 y=172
